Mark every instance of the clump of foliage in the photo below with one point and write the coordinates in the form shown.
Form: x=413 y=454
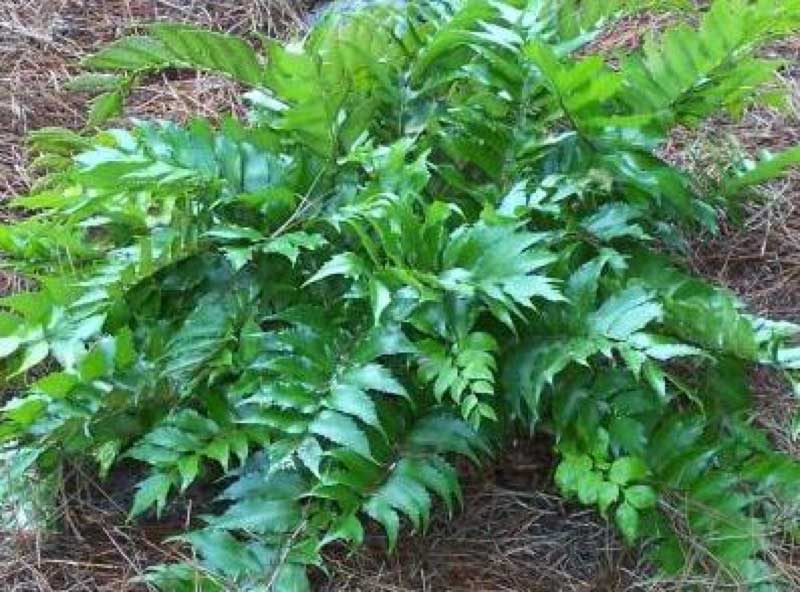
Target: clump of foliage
x=437 y=225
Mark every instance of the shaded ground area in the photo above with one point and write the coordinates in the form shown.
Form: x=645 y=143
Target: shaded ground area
x=514 y=534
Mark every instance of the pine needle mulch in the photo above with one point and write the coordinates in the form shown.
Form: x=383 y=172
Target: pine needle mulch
x=514 y=533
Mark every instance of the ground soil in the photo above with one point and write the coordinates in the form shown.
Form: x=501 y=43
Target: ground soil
x=515 y=533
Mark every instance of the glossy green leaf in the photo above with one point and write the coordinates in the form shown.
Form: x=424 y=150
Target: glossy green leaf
x=627 y=469
x=152 y=491
x=627 y=520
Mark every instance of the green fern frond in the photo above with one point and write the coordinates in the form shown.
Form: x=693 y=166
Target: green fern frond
x=436 y=225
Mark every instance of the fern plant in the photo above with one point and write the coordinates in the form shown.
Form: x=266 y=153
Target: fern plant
x=440 y=223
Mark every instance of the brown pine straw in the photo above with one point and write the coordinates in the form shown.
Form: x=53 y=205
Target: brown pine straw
x=515 y=533
x=42 y=41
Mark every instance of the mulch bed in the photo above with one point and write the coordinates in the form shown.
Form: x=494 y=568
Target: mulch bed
x=515 y=533
x=42 y=42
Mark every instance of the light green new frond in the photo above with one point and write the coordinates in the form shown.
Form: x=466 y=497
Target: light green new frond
x=181 y=46
x=687 y=73
x=767 y=168
x=582 y=89
x=465 y=371
x=215 y=52
x=130 y=53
